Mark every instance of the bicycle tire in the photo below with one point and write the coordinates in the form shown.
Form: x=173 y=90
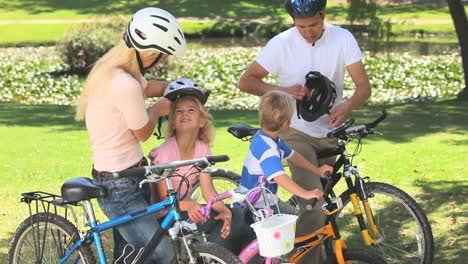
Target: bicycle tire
x=208 y=252
x=406 y=235
x=359 y=255
x=223 y=180
x=49 y=232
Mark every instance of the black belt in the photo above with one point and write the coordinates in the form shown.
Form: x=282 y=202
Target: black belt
x=106 y=175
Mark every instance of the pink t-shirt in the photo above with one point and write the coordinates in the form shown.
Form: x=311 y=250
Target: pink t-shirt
x=169 y=151
x=111 y=114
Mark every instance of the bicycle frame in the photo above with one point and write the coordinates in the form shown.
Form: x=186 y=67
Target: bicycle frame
x=302 y=245
x=95 y=229
x=349 y=170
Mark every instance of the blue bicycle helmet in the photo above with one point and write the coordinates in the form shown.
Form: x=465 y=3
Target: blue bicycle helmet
x=304 y=8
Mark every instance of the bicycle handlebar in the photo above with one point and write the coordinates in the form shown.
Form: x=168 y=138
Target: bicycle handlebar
x=364 y=129
x=159 y=169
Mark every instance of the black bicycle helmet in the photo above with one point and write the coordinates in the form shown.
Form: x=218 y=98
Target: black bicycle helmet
x=319 y=100
x=304 y=8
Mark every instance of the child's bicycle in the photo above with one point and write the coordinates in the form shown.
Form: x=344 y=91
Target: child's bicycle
x=48 y=237
x=274 y=232
x=397 y=227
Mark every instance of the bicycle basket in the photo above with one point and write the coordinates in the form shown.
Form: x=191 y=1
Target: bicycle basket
x=276 y=234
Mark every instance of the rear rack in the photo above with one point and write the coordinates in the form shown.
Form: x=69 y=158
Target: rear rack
x=43 y=202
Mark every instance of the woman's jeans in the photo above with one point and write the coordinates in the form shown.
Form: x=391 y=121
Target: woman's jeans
x=125 y=196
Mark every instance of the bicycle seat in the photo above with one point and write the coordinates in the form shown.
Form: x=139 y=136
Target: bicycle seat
x=79 y=189
x=242 y=130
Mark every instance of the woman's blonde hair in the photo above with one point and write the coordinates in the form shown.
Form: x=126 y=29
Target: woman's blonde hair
x=206 y=133
x=275 y=108
x=119 y=57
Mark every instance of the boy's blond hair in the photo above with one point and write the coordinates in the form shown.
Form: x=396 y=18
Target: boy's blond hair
x=206 y=133
x=275 y=108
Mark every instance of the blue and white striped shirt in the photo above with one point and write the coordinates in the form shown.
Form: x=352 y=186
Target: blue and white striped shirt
x=264 y=158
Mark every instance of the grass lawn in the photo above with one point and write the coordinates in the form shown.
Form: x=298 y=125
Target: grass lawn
x=253 y=9
x=424 y=150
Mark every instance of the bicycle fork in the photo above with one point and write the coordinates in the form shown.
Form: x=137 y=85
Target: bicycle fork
x=355 y=200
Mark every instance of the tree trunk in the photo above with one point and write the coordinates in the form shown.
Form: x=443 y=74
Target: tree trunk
x=461 y=27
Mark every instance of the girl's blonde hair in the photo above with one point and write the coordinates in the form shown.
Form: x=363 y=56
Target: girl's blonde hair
x=275 y=108
x=206 y=133
x=119 y=57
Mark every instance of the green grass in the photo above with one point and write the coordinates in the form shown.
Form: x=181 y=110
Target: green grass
x=59 y=9
x=253 y=9
x=424 y=150
x=32 y=33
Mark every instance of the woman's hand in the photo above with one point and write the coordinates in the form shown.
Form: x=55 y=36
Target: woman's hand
x=226 y=216
x=194 y=212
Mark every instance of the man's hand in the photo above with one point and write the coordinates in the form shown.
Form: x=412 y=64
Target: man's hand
x=338 y=114
x=298 y=91
x=226 y=216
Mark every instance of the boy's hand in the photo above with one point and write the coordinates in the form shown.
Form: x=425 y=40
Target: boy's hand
x=226 y=216
x=194 y=213
x=324 y=169
x=315 y=193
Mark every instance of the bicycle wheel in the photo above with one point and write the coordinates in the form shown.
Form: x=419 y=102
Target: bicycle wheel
x=405 y=232
x=45 y=238
x=223 y=180
x=358 y=256
x=212 y=253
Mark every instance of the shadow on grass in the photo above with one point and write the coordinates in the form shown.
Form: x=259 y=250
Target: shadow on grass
x=4 y=245
x=403 y=123
x=192 y=8
x=14 y=114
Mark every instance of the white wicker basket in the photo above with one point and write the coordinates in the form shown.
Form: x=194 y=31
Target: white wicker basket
x=275 y=234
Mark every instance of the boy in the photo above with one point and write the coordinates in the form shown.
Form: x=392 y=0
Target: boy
x=267 y=151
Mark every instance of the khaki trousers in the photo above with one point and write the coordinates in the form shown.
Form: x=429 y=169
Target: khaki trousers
x=309 y=220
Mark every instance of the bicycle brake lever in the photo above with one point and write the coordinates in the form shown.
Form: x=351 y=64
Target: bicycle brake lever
x=143 y=182
x=377 y=132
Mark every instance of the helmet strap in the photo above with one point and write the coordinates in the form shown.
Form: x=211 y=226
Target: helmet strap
x=140 y=62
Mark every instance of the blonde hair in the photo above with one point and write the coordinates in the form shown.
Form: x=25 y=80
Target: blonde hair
x=119 y=57
x=275 y=108
x=206 y=133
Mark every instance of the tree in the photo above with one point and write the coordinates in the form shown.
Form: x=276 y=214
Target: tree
x=461 y=27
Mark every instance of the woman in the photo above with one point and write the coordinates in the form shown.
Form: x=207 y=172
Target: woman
x=112 y=105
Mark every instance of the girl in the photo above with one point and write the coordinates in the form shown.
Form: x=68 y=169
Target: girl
x=189 y=135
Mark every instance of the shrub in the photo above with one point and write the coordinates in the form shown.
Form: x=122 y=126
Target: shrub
x=85 y=44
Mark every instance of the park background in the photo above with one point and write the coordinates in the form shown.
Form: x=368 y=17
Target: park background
x=411 y=54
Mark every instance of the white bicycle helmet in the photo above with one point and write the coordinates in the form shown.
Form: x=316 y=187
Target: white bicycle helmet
x=153 y=28
x=185 y=86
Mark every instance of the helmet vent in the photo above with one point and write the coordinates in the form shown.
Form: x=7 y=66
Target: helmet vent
x=160 y=17
x=161 y=27
x=181 y=83
x=181 y=35
x=140 y=34
x=171 y=48
x=177 y=40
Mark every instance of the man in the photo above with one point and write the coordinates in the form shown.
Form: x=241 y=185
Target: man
x=311 y=45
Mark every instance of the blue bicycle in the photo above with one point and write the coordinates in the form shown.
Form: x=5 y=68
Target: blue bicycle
x=48 y=236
